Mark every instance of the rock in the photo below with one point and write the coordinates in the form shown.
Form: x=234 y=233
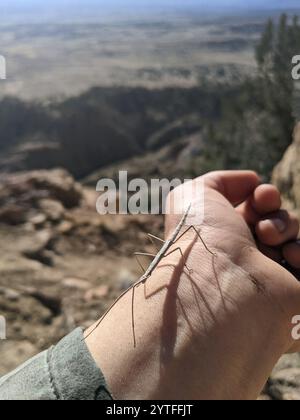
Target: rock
x=64 y=227
x=286 y=175
x=125 y=279
x=38 y=247
x=76 y=283
x=52 y=209
x=284 y=393
x=289 y=376
x=53 y=303
x=264 y=397
x=11 y=266
x=38 y=219
x=14 y=353
x=22 y=314
x=287 y=361
x=285 y=380
x=59 y=184
x=23 y=192
x=10 y=294
x=284 y=383
x=37 y=242
x=97 y=293
x=12 y=214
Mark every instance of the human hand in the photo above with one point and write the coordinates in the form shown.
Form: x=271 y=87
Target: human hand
x=214 y=332
x=270 y=293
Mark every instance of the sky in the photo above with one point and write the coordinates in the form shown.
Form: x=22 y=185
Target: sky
x=29 y=4
x=67 y=9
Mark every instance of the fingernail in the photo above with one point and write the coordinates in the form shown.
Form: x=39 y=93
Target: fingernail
x=279 y=224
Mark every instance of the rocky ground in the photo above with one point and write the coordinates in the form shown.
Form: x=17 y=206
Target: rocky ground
x=287 y=174
x=62 y=264
x=284 y=383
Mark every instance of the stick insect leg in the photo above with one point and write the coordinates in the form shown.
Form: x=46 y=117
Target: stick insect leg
x=137 y=254
x=138 y=283
x=108 y=311
x=181 y=253
x=132 y=317
x=199 y=236
x=132 y=306
x=153 y=238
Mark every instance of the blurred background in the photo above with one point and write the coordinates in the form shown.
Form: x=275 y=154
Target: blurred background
x=160 y=88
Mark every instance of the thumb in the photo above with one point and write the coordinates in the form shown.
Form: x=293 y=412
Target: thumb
x=235 y=186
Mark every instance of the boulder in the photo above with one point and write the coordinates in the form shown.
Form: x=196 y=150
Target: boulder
x=52 y=209
x=24 y=196
x=284 y=383
x=38 y=247
x=286 y=175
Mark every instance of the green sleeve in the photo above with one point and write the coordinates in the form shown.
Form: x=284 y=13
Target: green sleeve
x=64 y=372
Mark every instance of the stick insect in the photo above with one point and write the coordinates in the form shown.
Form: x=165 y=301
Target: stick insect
x=162 y=253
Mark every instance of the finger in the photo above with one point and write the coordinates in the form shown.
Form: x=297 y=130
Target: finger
x=278 y=228
x=291 y=253
x=236 y=186
x=273 y=253
x=247 y=211
x=265 y=199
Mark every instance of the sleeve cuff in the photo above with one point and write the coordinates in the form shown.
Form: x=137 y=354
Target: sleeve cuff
x=74 y=374
x=64 y=372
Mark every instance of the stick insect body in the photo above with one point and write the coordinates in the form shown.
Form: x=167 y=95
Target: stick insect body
x=163 y=253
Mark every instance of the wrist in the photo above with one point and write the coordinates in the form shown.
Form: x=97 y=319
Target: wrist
x=132 y=372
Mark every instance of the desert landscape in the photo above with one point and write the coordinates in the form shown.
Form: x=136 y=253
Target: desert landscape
x=55 y=60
